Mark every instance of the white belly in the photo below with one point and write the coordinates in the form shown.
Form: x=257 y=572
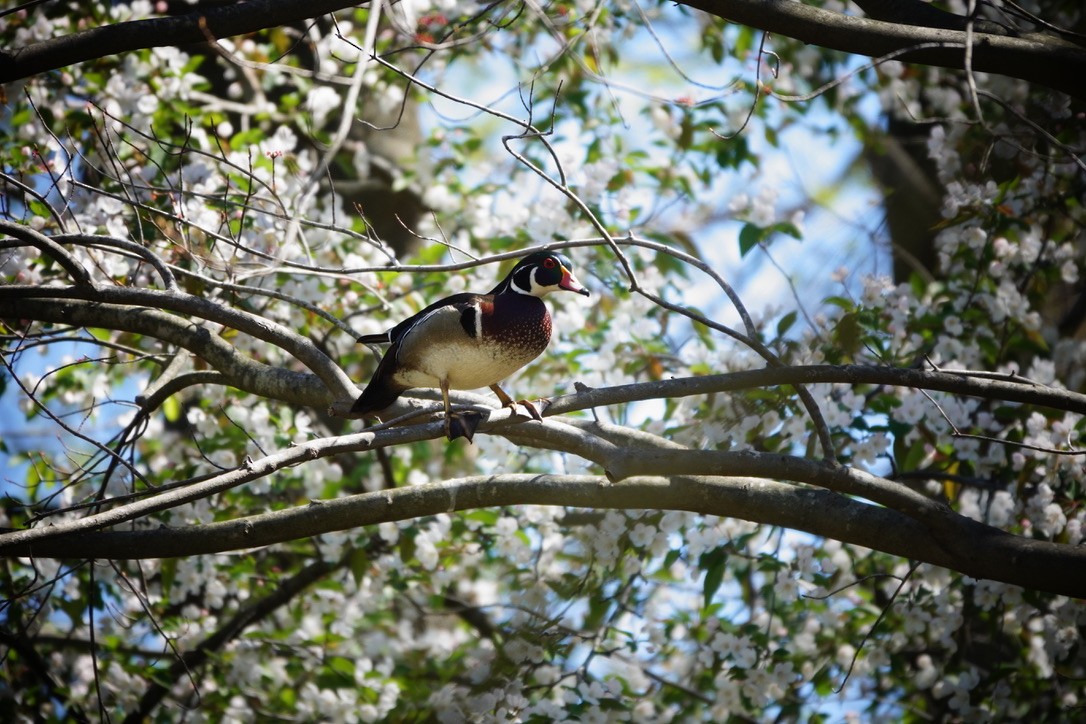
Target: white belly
x=469 y=368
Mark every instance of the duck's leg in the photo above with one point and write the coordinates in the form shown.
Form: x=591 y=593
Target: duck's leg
x=457 y=424
x=507 y=401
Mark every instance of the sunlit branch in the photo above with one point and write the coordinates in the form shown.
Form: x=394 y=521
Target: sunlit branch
x=45 y=245
x=959 y=383
x=218 y=21
x=146 y=300
x=979 y=551
x=1051 y=62
x=239 y=370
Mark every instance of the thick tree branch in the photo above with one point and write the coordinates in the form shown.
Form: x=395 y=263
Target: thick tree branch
x=303 y=349
x=196 y=27
x=16 y=302
x=1045 y=61
x=962 y=544
x=239 y=371
x=917 y=12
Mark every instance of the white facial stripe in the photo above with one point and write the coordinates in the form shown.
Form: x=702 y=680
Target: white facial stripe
x=478 y=321
x=519 y=290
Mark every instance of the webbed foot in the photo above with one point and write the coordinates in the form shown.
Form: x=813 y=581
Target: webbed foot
x=462 y=424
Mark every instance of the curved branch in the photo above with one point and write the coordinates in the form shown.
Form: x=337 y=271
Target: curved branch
x=199 y=26
x=619 y=461
x=47 y=246
x=300 y=347
x=977 y=550
x=1046 y=61
x=623 y=460
x=239 y=371
x=1010 y=389
x=131 y=247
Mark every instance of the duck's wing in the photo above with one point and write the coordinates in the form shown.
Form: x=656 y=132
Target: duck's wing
x=397 y=333
x=442 y=327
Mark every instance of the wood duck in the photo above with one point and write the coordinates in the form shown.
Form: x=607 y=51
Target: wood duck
x=470 y=340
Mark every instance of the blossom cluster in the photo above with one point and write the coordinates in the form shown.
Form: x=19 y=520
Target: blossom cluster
x=236 y=176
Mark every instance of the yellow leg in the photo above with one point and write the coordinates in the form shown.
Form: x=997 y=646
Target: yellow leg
x=458 y=424
x=507 y=401
x=503 y=398
x=445 y=399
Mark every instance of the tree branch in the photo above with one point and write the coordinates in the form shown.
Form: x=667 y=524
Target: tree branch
x=47 y=246
x=962 y=544
x=1045 y=61
x=1010 y=389
x=239 y=371
x=199 y=26
x=143 y=300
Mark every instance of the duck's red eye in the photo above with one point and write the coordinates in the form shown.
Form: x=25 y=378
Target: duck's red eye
x=549 y=263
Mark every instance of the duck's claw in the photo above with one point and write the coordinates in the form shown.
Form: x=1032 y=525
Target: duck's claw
x=531 y=408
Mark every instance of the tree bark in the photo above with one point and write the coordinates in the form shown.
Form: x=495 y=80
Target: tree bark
x=1044 y=60
x=944 y=539
x=199 y=26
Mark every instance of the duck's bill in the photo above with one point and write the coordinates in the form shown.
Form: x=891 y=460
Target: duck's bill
x=570 y=283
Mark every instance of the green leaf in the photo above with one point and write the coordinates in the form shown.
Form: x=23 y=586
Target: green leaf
x=786 y=323
x=171 y=409
x=715 y=43
x=749 y=237
x=359 y=564
x=713 y=564
x=848 y=334
x=842 y=302
x=917 y=452
x=342 y=666
x=686 y=133
x=787 y=228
